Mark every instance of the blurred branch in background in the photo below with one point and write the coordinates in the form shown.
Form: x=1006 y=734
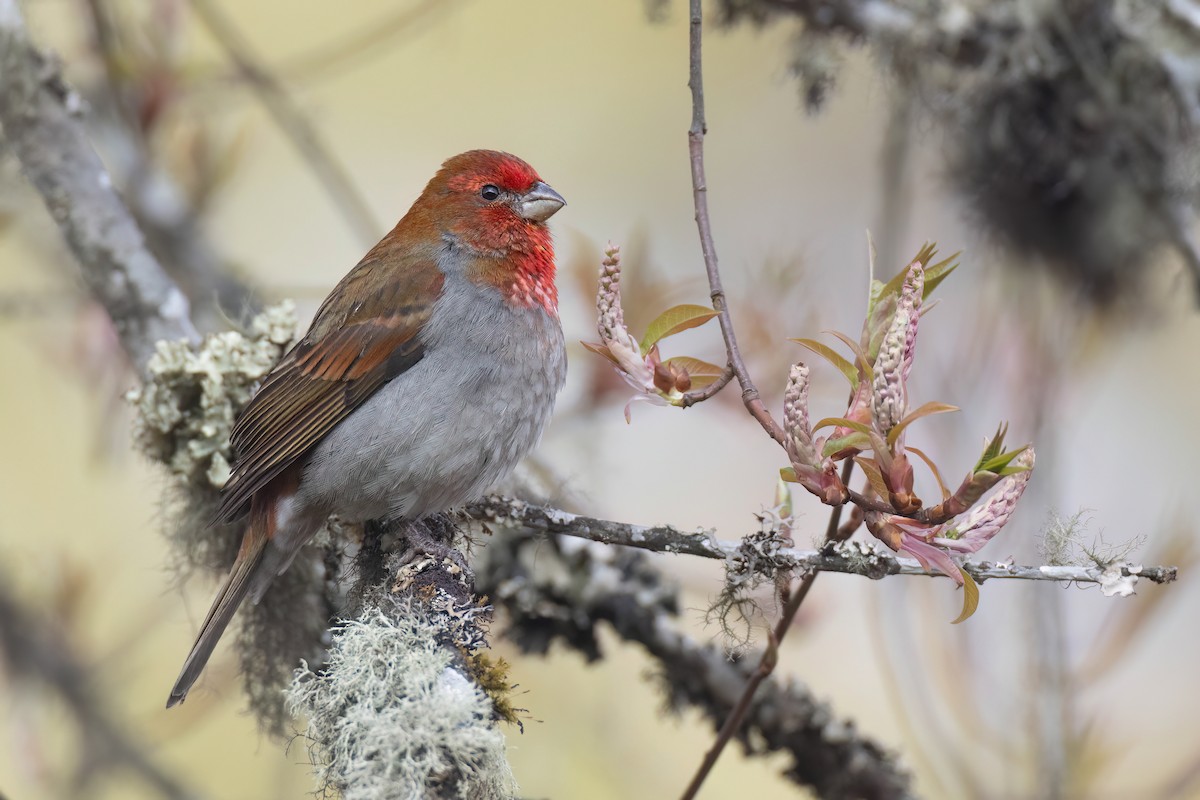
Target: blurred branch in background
x=142 y=83
x=1069 y=128
x=347 y=199
x=32 y=652
x=38 y=112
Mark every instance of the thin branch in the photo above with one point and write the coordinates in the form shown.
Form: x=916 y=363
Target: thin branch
x=31 y=651
x=39 y=113
x=848 y=559
x=750 y=398
x=349 y=202
x=700 y=395
x=559 y=590
x=768 y=660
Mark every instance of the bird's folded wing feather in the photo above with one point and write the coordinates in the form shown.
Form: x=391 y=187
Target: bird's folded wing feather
x=364 y=335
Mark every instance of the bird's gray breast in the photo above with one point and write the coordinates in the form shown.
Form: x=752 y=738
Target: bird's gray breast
x=459 y=420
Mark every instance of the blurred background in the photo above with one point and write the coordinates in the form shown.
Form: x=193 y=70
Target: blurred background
x=1080 y=331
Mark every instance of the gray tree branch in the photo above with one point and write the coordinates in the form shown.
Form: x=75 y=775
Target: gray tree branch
x=760 y=554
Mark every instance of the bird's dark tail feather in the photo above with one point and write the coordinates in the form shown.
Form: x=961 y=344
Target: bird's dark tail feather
x=252 y=573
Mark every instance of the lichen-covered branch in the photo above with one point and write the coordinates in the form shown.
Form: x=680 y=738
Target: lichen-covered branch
x=406 y=705
x=762 y=553
x=559 y=589
x=38 y=112
x=1067 y=128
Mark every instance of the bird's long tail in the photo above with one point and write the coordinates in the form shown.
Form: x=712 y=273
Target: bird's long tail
x=256 y=566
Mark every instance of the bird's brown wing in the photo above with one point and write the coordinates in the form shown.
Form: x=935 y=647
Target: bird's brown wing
x=363 y=336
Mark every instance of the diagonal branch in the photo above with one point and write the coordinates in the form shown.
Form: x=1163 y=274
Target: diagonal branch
x=38 y=112
x=348 y=200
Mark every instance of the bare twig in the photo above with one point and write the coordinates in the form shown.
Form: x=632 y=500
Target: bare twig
x=291 y=120
x=32 y=652
x=700 y=395
x=849 y=559
x=37 y=111
x=753 y=402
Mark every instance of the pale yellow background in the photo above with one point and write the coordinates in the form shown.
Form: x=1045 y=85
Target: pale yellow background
x=595 y=97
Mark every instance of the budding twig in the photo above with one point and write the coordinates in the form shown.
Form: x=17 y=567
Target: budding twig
x=737 y=367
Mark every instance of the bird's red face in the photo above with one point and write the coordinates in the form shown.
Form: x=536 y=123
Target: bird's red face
x=497 y=205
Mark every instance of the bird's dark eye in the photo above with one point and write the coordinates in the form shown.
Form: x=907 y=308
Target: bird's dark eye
x=489 y=192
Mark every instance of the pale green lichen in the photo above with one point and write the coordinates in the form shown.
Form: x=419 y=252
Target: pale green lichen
x=390 y=717
x=187 y=406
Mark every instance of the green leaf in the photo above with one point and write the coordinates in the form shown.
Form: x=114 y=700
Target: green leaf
x=702 y=373
x=994 y=446
x=970 y=597
x=934 y=274
x=599 y=349
x=842 y=422
x=673 y=320
x=924 y=255
x=926 y=410
x=1012 y=470
x=939 y=272
x=864 y=365
x=1001 y=462
x=856 y=440
x=833 y=357
x=788 y=475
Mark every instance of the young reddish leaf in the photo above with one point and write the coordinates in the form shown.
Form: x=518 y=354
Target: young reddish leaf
x=600 y=350
x=932 y=468
x=928 y=409
x=864 y=364
x=874 y=476
x=856 y=441
x=833 y=357
x=970 y=597
x=701 y=372
x=674 y=320
x=841 y=422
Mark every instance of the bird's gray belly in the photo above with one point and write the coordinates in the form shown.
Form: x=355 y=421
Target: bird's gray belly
x=436 y=436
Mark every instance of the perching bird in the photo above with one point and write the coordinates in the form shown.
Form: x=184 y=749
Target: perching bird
x=427 y=374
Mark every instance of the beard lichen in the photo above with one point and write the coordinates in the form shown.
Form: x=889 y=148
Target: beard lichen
x=390 y=715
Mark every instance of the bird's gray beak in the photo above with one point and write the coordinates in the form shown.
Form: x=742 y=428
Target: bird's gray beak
x=540 y=203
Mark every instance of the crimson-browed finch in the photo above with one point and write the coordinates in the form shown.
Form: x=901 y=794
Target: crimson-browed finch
x=426 y=375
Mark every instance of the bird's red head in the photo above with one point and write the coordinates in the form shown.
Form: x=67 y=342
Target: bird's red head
x=496 y=205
